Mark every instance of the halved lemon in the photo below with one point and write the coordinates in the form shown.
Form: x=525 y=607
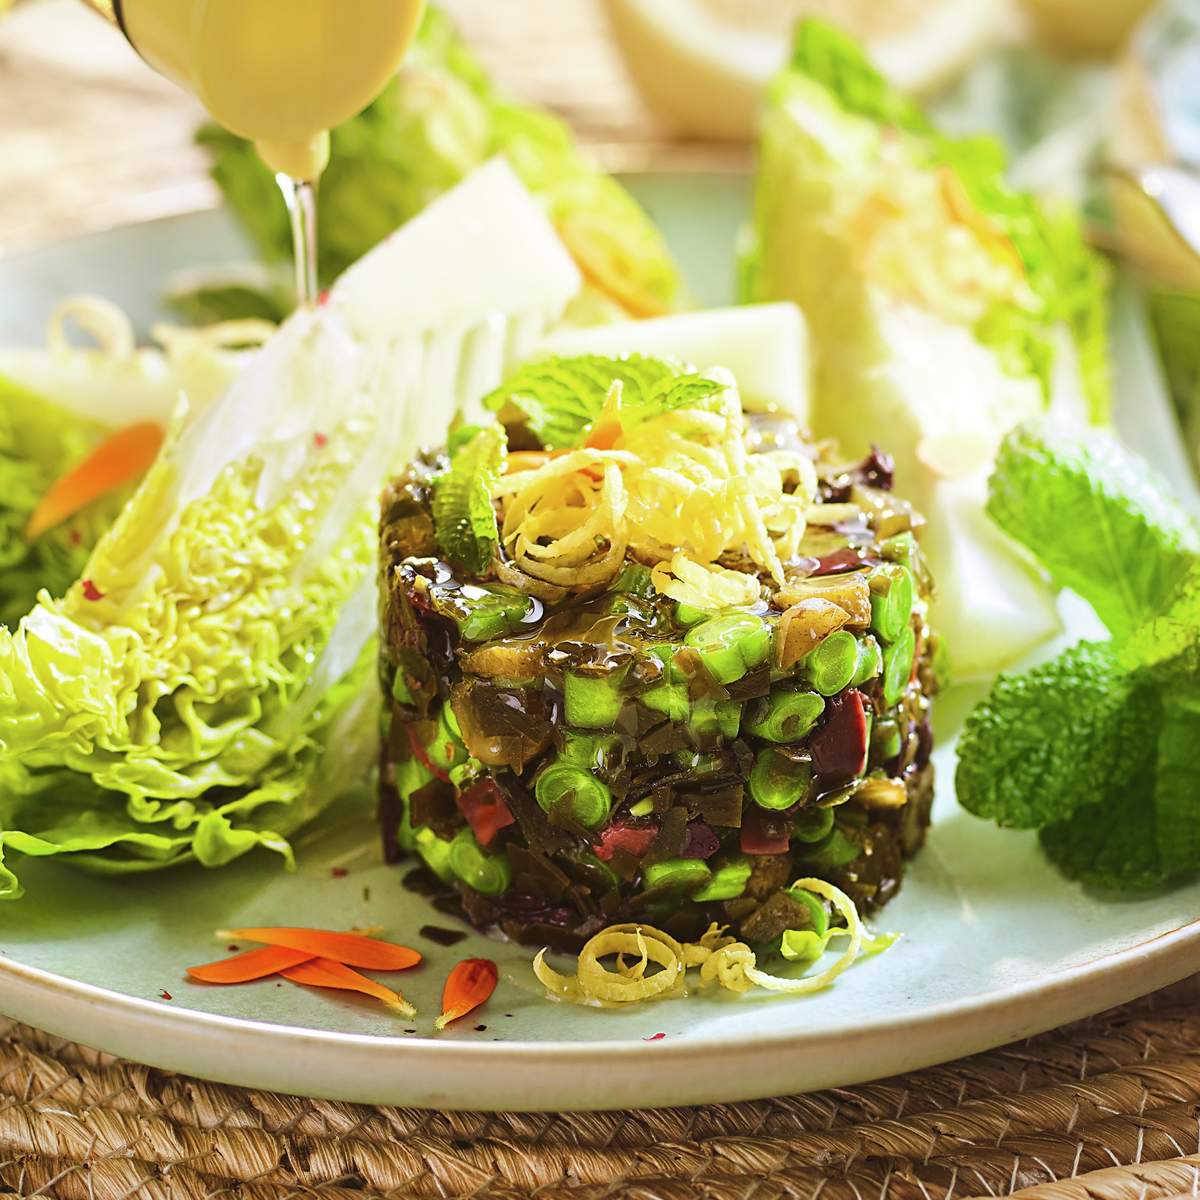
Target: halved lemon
x=702 y=64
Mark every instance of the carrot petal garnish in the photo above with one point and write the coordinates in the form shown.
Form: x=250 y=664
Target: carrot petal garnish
x=120 y=459
x=326 y=973
x=253 y=964
x=352 y=949
x=471 y=984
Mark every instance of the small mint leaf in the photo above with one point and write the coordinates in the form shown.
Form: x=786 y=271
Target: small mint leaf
x=1097 y=518
x=559 y=399
x=1051 y=741
x=1146 y=833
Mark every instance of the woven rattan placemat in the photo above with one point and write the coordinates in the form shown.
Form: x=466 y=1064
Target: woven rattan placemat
x=1107 y=1109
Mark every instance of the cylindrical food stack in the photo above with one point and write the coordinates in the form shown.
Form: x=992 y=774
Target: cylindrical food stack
x=563 y=761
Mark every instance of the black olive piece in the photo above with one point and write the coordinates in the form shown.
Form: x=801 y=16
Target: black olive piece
x=877 y=470
x=839 y=745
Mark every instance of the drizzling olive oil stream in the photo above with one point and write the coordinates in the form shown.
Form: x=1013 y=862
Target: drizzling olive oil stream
x=279 y=72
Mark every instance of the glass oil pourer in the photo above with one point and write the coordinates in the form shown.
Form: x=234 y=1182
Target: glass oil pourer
x=279 y=72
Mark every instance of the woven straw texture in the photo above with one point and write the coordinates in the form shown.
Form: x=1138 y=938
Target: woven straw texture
x=1105 y=1110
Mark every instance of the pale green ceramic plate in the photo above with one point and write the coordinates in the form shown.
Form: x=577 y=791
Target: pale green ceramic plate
x=996 y=945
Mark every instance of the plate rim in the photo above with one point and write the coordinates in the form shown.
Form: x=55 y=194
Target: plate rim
x=1037 y=1005
x=117 y=1021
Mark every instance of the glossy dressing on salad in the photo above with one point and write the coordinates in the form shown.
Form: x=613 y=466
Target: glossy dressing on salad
x=279 y=72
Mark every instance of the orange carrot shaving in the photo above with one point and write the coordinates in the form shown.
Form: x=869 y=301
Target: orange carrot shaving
x=470 y=984
x=604 y=435
x=606 y=431
x=351 y=949
x=253 y=964
x=326 y=973
x=120 y=459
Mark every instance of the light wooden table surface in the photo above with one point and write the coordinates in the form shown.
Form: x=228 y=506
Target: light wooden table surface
x=91 y=138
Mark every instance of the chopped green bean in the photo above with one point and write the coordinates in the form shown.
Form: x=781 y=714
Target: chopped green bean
x=870 y=661
x=731 y=645
x=446 y=750
x=435 y=853
x=728 y=881
x=902 y=548
x=786 y=715
x=634 y=580
x=698 y=762
x=898 y=665
x=687 y=616
x=885 y=740
x=682 y=873
x=816 y=908
x=568 y=787
x=892 y=595
x=713 y=719
x=488 y=874
x=401 y=692
x=593 y=751
x=670 y=699
x=466 y=773
x=836 y=851
x=593 y=701
x=812 y=824
x=778 y=782
x=411 y=775
x=831 y=666
x=666 y=652
x=489 y=613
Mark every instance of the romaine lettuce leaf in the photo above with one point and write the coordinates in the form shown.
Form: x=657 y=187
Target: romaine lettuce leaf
x=206 y=686
x=1044 y=274
x=438 y=120
x=944 y=306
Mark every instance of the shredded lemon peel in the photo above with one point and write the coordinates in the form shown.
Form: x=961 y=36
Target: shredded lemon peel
x=722 y=961
x=105 y=322
x=678 y=491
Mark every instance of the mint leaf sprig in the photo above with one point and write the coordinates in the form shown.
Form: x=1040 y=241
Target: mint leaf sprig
x=559 y=399
x=1096 y=748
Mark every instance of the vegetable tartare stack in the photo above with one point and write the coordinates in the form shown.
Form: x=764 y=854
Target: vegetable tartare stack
x=649 y=658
